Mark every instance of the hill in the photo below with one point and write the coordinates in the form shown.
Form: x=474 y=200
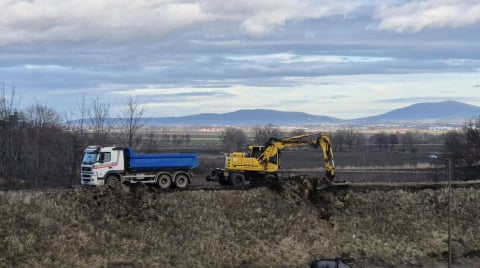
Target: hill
x=436 y=112
x=245 y=118
x=445 y=111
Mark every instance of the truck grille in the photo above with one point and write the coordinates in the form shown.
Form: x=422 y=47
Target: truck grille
x=86 y=168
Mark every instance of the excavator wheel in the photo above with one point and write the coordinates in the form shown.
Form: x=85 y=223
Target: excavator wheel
x=271 y=178
x=237 y=179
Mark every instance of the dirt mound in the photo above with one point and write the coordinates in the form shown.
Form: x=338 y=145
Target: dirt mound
x=285 y=226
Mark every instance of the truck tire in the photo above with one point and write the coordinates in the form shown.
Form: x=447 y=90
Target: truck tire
x=164 y=181
x=237 y=179
x=181 y=181
x=114 y=182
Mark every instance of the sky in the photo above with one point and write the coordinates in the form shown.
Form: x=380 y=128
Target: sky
x=347 y=59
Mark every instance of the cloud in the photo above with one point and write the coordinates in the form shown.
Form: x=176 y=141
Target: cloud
x=414 y=16
x=173 y=94
x=429 y=99
x=266 y=15
x=108 y=21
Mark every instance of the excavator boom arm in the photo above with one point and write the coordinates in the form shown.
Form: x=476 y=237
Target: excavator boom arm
x=273 y=146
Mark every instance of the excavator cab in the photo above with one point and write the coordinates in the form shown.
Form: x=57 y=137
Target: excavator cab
x=255 y=150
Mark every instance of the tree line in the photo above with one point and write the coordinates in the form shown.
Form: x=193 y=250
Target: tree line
x=41 y=147
x=343 y=140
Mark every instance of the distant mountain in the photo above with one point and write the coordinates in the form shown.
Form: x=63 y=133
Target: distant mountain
x=445 y=111
x=438 y=113
x=245 y=118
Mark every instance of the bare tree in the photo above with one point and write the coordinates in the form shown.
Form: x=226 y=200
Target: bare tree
x=8 y=107
x=44 y=130
x=456 y=145
x=381 y=140
x=348 y=136
x=178 y=139
x=337 y=139
x=465 y=146
x=36 y=148
x=233 y=139
x=11 y=121
x=264 y=134
x=409 y=138
x=472 y=134
x=360 y=139
x=393 y=140
x=131 y=120
x=164 y=139
x=81 y=114
x=297 y=132
x=76 y=121
x=188 y=139
x=100 y=121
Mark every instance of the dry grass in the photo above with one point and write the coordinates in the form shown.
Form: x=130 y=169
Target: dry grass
x=254 y=228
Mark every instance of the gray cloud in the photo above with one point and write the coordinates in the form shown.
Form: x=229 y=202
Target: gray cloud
x=110 y=21
x=414 y=16
x=168 y=97
x=52 y=48
x=430 y=99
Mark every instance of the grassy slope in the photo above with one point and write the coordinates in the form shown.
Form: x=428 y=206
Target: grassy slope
x=94 y=227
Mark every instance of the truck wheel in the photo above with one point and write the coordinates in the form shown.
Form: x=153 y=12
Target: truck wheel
x=114 y=182
x=164 y=181
x=237 y=179
x=181 y=180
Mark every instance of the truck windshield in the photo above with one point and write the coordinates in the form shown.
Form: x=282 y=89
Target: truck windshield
x=90 y=157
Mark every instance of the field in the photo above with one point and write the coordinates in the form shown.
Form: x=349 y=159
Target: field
x=260 y=227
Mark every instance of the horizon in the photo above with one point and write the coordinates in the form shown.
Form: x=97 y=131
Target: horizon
x=179 y=58
x=326 y=115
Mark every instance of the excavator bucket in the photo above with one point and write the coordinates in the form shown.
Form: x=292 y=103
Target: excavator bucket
x=322 y=183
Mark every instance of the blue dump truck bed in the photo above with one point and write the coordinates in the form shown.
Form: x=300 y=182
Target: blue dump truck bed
x=164 y=161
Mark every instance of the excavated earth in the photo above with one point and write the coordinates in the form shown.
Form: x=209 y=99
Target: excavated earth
x=281 y=226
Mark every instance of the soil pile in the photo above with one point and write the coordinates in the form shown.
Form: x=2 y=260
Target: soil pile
x=260 y=227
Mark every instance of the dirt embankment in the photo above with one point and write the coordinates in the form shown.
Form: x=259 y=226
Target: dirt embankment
x=259 y=227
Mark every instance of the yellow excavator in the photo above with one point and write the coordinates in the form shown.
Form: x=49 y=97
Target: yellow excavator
x=262 y=163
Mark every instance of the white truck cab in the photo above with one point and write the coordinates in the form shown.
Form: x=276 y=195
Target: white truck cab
x=98 y=162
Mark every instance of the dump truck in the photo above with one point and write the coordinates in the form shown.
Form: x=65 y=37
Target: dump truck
x=115 y=166
x=262 y=162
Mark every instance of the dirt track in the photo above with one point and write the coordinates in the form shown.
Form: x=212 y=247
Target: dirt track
x=259 y=227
